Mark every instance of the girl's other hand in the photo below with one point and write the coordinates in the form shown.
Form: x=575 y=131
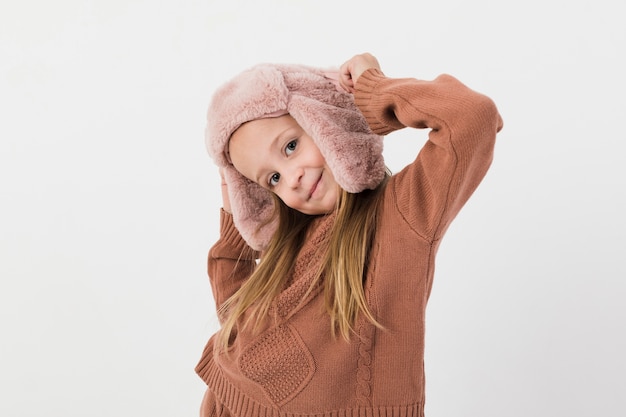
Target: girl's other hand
x=352 y=69
x=225 y=198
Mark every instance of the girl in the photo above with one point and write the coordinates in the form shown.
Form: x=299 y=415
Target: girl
x=325 y=262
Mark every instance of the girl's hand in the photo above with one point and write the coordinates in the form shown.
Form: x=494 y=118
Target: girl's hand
x=225 y=198
x=352 y=69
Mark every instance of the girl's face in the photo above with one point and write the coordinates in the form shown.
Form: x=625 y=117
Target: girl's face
x=279 y=156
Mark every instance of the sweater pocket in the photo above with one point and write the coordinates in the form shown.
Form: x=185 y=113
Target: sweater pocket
x=280 y=363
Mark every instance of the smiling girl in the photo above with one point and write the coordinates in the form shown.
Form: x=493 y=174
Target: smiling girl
x=325 y=262
x=289 y=163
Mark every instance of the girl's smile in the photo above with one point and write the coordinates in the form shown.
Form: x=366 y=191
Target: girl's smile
x=278 y=155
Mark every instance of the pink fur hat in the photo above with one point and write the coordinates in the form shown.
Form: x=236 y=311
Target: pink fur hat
x=326 y=113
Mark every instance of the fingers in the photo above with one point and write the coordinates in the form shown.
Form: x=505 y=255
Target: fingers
x=345 y=78
x=352 y=69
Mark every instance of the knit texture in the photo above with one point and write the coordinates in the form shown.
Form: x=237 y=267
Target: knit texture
x=294 y=367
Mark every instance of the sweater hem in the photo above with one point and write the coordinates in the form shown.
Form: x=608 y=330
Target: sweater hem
x=239 y=404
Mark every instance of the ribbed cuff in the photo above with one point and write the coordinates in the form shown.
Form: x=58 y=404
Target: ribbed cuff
x=364 y=94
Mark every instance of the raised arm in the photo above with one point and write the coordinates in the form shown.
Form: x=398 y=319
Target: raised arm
x=463 y=126
x=230 y=260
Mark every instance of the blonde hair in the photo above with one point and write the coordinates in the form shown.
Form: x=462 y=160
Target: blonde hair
x=343 y=265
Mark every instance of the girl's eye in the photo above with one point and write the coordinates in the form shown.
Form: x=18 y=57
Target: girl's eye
x=289 y=149
x=291 y=146
x=274 y=179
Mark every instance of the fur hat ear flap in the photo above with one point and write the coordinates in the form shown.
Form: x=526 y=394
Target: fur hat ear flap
x=321 y=107
x=353 y=153
x=252 y=208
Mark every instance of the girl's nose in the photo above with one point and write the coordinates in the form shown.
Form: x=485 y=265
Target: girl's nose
x=294 y=177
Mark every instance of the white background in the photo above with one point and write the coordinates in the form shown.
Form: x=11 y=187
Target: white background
x=109 y=201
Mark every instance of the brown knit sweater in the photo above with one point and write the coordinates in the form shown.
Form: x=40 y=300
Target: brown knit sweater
x=295 y=367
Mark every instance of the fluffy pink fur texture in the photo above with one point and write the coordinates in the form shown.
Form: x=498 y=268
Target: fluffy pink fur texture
x=326 y=112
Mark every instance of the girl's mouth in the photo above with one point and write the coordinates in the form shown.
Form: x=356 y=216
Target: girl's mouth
x=314 y=187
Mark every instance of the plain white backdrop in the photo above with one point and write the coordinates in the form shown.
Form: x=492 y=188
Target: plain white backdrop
x=109 y=201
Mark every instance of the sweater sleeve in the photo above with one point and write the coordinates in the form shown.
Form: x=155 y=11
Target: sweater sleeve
x=230 y=261
x=463 y=125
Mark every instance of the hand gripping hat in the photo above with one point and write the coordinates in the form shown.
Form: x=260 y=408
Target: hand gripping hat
x=324 y=111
